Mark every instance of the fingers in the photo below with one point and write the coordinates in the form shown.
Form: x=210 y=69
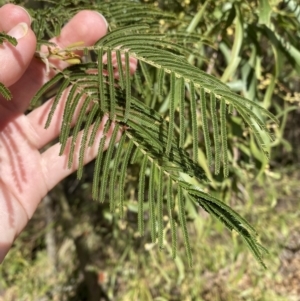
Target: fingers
x=11 y=15
x=15 y=60
x=86 y=26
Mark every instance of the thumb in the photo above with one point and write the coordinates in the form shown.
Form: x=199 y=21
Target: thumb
x=14 y=60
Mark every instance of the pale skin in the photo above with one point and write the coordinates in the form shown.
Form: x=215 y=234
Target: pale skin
x=27 y=172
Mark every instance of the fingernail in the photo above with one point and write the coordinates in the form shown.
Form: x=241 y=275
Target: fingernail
x=106 y=23
x=26 y=13
x=19 y=31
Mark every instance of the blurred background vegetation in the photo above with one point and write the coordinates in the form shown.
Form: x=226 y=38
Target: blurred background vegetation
x=75 y=249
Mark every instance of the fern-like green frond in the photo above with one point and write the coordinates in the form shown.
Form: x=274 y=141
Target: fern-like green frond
x=158 y=142
x=229 y=218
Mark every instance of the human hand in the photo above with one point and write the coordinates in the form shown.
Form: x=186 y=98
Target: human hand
x=26 y=172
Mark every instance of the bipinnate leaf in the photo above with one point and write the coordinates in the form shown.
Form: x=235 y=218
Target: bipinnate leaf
x=164 y=145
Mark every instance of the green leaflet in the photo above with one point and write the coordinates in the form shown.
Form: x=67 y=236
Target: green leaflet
x=128 y=152
x=57 y=98
x=120 y=69
x=68 y=120
x=5 y=92
x=151 y=199
x=182 y=219
x=46 y=87
x=161 y=77
x=65 y=126
x=101 y=79
x=128 y=86
x=95 y=129
x=7 y=38
x=205 y=126
x=106 y=164
x=97 y=170
x=141 y=195
x=172 y=113
x=215 y=126
x=181 y=97
x=113 y=177
x=160 y=217
x=84 y=139
x=111 y=81
x=171 y=206
x=194 y=122
x=77 y=128
x=223 y=125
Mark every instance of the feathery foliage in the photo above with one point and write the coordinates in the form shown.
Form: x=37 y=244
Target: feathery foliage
x=158 y=140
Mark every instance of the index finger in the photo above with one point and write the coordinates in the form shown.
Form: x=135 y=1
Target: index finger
x=16 y=13
x=86 y=26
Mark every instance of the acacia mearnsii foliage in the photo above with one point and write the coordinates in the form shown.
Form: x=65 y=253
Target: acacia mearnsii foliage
x=174 y=112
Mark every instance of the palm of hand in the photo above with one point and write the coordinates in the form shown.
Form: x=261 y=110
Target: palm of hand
x=27 y=173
